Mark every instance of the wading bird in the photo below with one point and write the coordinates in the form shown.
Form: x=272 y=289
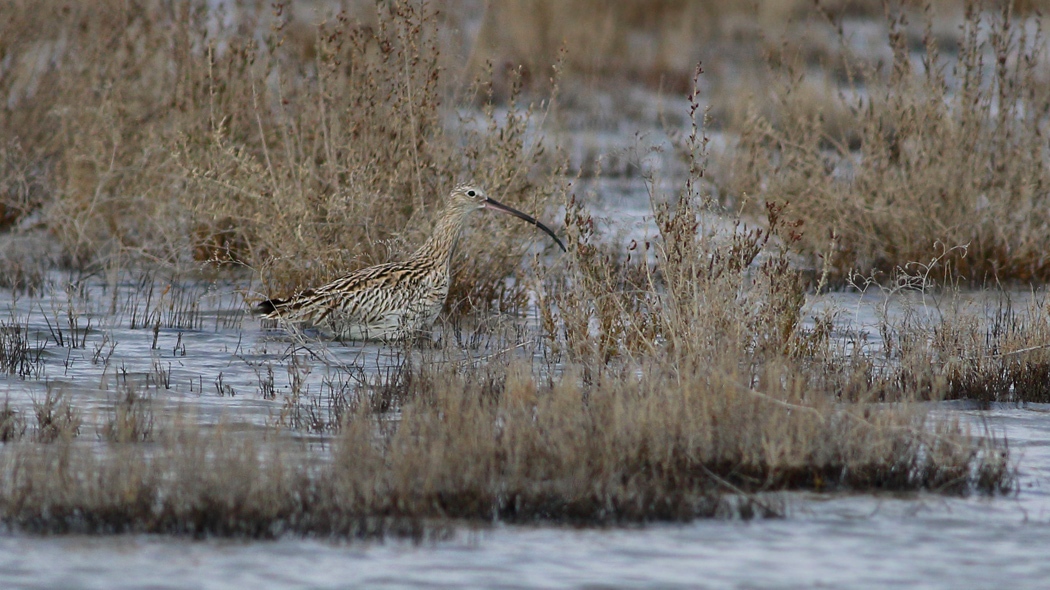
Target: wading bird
x=395 y=300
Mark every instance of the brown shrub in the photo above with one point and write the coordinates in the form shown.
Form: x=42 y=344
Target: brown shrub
x=174 y=137
x=950 y=154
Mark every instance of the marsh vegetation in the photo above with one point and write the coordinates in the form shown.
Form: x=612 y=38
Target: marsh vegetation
x=159 y=154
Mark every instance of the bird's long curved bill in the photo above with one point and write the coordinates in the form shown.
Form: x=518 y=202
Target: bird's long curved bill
x=497 y=206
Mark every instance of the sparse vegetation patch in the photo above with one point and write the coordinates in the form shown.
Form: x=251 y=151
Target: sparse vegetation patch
x=928 y=156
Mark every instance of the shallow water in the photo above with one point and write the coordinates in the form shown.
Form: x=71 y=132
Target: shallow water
x=192 y=345
x=215 y=359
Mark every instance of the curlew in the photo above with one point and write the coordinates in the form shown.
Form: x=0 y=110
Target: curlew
x=395 y=300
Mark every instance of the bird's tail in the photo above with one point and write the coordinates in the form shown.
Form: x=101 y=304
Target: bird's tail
x=267 y=307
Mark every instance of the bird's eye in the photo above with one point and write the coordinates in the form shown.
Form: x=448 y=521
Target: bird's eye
x=472 y=194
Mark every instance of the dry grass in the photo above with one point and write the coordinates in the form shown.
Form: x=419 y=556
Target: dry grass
x=1014 y=373
x=161 y=134
x=12 y=425
x=681 y=382
x=945 y=155
x=19 y=356
x=171 y=137
x=692 y=423
x=497 y=444
x=1003 y=358
x=685 y=388
x=658 y=43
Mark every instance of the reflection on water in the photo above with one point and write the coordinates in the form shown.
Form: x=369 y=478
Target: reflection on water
x=195 y=346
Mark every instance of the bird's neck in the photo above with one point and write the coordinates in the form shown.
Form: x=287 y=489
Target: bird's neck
x=442 y=243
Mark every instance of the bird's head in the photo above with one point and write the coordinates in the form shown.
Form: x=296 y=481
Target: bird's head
x=467 y=198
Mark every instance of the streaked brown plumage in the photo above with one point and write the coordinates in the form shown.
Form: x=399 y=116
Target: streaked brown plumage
x=394 y=300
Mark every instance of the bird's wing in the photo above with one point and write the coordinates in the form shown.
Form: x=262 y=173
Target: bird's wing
x=356 y=296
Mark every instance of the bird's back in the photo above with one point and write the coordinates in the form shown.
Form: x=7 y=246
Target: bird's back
x=383 y=302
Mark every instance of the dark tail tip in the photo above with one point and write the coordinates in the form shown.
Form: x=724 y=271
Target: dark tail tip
x=266 y=307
